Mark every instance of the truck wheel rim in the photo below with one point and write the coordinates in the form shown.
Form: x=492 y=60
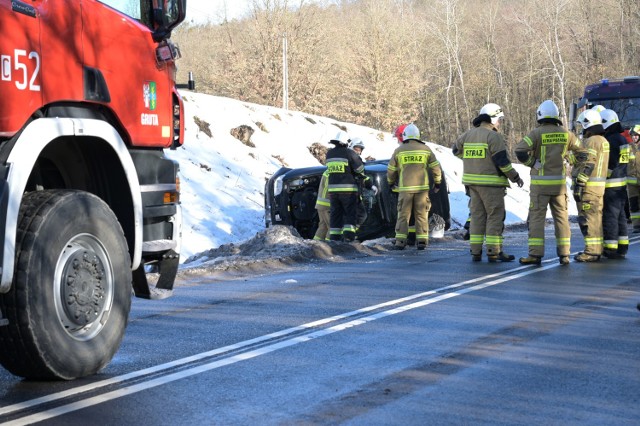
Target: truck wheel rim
x=83 y=287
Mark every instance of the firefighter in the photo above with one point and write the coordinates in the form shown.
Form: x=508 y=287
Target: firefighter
x=544 y=150
x=589 y=182
x=487 y=171
x=411 y=233
x=407 y=169
x=323 y=206
x=397 y=133
x=345 y=168
x=467 y=225
x=357 y=145
x=634 y=132
x=614 y=218
x=633 y=181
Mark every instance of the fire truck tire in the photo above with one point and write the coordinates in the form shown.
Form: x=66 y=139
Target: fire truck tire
x=71 y=292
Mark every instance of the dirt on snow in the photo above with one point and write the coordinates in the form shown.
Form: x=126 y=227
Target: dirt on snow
x=279 y=248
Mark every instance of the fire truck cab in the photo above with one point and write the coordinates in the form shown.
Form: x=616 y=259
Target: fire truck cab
x=89 y=204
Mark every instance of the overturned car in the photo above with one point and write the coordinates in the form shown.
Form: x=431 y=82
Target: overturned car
x=290 y=199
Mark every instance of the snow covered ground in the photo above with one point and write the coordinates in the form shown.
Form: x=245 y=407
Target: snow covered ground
x=222 y=179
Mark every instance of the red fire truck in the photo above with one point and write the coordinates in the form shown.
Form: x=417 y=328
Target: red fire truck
x=88 y=201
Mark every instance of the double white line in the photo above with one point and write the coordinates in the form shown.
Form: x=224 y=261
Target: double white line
x=258 y=346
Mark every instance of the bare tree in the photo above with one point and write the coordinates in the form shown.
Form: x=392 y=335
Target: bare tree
x=435 y=62
x=545 y=28
x=447 y=29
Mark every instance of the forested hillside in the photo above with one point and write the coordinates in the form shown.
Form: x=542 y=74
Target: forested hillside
x=381 y=62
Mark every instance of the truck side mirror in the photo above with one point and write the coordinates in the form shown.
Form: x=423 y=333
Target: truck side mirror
x=159 y=18
x=167 y=15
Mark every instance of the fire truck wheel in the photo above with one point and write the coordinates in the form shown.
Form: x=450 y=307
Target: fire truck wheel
x=71 y=292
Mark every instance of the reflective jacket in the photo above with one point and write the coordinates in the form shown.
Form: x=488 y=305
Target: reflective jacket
x=618 y=160
x=345 y=168
x=594 y=166
x=408 y=167
x=633 y=168
x=484 y=157
x=322 y=202
x=544 y=149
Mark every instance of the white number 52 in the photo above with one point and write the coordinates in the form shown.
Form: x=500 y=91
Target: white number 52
x=21 y=66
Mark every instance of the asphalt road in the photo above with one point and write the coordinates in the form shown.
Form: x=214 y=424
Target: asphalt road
x=401 y=338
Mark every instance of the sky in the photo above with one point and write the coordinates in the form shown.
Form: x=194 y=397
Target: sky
x=222 y=180
x=201 y=11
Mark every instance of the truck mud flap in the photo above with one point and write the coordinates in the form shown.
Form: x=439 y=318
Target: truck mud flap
x=167 y=268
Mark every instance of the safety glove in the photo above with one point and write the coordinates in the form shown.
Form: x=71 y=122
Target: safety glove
x=578 y=190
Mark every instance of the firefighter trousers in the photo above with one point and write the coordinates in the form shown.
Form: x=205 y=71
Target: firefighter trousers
x=536 y=221
x=322 y=233
x=590 y=221
x=634 y=205
x=418 y=204
x=342 y=219
x=486 y=206
x=614 y=221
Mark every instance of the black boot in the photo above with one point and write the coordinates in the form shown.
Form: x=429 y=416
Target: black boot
x=612 y=254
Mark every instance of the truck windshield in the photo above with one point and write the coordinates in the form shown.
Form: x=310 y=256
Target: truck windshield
x=628 y=110
x=168 y=11
x=128 y=7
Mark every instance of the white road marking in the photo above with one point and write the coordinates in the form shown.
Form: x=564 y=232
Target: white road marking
x=507 y=275
x=128 y=390
x=197 y=357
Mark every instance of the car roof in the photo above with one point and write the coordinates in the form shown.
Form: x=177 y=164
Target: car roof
x=376 y=166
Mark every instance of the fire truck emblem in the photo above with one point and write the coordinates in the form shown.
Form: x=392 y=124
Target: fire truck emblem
x=150 y=95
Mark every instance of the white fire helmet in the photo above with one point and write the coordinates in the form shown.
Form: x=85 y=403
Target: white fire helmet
x=590 y=118
x=548 y=109
x=341 y=139
x=411 y=132
x=494 y=111
x=609 y=117
x=356 y=142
